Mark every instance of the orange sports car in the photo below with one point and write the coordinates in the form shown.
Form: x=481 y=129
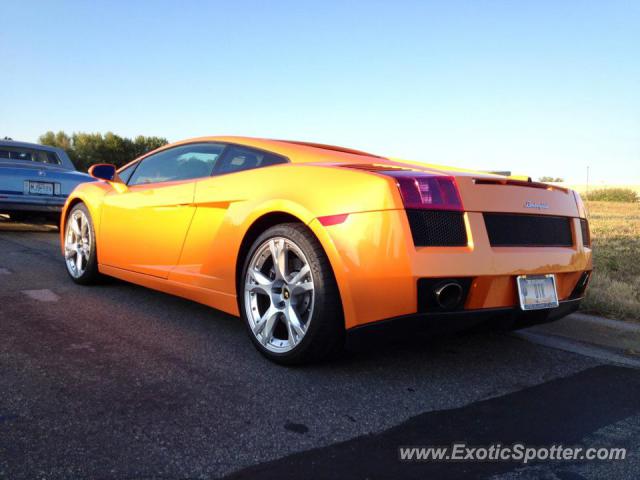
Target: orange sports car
x=314 y=245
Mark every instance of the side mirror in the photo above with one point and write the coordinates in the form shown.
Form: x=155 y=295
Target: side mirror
x=103 y=171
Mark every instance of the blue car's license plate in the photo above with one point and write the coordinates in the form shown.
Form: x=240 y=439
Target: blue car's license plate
x=40 y=188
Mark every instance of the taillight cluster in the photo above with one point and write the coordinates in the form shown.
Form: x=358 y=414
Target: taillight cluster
x=426 y=191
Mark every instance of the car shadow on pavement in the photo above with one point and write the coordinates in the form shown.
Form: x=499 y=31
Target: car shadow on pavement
x=138 y=302
x=42 y=225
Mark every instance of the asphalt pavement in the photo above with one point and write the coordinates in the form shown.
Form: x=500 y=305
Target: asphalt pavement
x=118 y=381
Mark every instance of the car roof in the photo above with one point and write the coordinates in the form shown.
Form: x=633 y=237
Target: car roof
x=318 y=153
x=13 y=143
x=296 y=151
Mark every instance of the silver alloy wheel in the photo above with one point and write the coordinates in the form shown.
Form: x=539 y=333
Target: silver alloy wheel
x=279 y=294
x=77 y=243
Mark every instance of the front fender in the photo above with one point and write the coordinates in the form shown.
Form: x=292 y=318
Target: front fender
x=91 y=194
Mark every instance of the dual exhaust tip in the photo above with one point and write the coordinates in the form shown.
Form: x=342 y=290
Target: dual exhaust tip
x=448 y=295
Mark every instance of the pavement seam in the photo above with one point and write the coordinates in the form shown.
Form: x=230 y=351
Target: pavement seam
x=607 y=322
x=580 y=348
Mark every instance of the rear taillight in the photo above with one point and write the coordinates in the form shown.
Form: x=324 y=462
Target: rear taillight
x=428 y=192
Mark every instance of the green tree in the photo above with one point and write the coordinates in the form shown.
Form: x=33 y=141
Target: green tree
x=85 y=149
x=142 y=145
x=60 y=140
x=88 y=148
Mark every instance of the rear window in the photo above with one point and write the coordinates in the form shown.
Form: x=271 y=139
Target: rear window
x=29 y=155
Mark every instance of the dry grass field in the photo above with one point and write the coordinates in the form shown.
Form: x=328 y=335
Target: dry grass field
x=615 y=287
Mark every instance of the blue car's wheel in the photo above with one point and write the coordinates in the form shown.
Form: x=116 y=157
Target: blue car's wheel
x=19 y=216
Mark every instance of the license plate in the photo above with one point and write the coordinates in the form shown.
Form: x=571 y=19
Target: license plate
x=40 y=188
x=537 y=292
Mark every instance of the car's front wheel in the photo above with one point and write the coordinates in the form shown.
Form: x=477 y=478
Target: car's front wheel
x=80 y=246
x=289 y=297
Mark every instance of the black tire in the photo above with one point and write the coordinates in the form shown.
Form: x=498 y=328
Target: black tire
x=90 y=275
x=325 y=334
x=54 y=220
x=20 y=217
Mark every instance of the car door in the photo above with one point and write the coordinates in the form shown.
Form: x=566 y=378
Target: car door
x=143 y=228
x=207 y=260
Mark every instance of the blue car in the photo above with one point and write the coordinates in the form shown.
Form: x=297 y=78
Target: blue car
x=35 y=179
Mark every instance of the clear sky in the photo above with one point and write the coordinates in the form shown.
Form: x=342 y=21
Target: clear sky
x=538 y=87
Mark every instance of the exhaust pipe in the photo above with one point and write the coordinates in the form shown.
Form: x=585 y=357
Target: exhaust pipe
x=449 y=295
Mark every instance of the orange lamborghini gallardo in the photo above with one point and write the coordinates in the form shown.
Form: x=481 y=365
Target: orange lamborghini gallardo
x=315 y=245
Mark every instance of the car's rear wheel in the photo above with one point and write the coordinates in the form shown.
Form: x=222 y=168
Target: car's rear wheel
x=80 y=246
x=289 y=299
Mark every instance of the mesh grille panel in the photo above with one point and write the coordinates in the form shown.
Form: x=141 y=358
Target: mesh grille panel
x=434 y=228
x=510 y=230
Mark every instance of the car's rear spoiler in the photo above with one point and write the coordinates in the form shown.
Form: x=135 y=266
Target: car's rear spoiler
x=517 y=183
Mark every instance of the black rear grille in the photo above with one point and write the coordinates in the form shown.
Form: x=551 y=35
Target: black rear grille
x=435 y=228
x=511 y=230
x=586 y=235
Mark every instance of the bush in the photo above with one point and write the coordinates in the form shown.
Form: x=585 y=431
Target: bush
x=613 y=195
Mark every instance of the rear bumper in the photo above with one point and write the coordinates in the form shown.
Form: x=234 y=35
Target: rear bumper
x=451 y=322
x=31 y=203
x=378 y=267
x=7 y=207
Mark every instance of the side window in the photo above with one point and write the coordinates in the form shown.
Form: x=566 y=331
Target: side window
x=20 y=154
x=237 y=158
x=178 y=163
x=46 y=157
x=53 y=158
x=125 y=173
